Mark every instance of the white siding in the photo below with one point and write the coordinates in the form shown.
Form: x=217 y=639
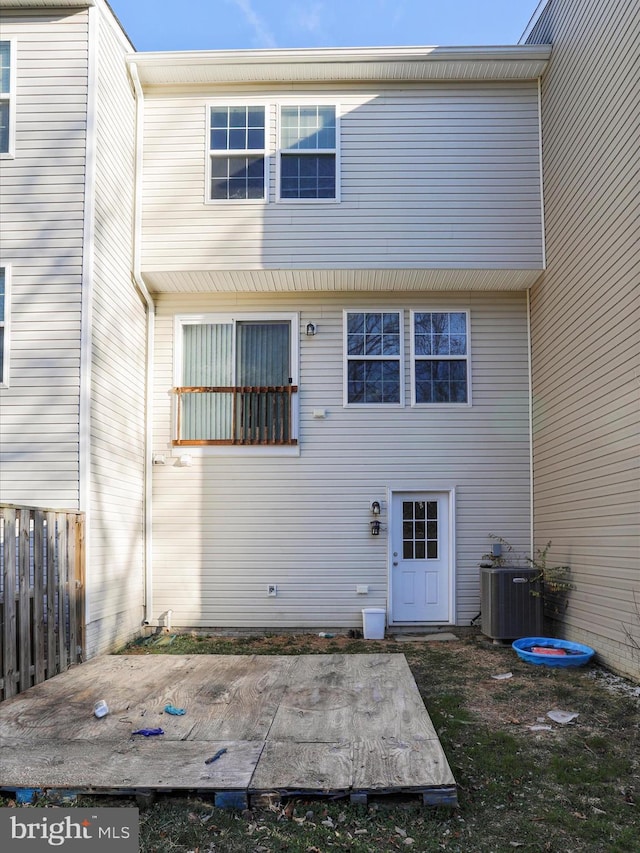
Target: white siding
x=586 y=320
x=432 y=176
x=41 y=209
x=115 y=571
x=229 y=525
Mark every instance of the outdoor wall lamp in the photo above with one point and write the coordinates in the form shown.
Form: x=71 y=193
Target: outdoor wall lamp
x=375 y=507
x=375 y=527
x=311 y=329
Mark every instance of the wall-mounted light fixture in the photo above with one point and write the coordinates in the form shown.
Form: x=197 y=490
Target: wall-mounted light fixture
x=375 y=507
x=311 y=329
x=375 y=527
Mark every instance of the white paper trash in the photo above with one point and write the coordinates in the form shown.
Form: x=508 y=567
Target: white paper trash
x=373 y=619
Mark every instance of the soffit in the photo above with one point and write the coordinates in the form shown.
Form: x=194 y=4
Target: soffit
x=197 y=68
x=327 y=281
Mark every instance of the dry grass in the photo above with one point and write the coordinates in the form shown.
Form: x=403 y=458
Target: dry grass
x=569 y=789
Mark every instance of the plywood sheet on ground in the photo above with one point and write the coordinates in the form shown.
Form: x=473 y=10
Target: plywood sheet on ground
x=314 y=723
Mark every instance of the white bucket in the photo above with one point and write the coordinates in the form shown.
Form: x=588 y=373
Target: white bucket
x=373 y=619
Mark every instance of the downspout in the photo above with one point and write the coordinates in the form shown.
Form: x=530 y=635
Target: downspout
x=146 y=296
x=530 y=372
x=529 y=341
x=86 y=305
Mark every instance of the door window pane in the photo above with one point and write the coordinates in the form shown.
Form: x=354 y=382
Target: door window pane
x=420 y=530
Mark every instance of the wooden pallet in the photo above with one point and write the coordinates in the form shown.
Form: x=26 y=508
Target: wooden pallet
x=307 y=725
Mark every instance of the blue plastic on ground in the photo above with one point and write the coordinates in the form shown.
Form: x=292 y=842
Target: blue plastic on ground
x=577 y=654
x=26 y=796
x=231 y=800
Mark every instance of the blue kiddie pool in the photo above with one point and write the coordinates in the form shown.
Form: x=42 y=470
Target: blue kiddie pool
x=547 y=651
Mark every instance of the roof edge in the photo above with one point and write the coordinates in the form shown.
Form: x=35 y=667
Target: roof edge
x=542 y=5
x=167 y=68
x=433 y=53
x=46 y=4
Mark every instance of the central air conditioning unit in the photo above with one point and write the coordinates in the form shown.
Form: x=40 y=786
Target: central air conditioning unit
x=511 y=602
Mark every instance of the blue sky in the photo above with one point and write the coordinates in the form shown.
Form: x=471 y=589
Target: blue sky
x=251 y=24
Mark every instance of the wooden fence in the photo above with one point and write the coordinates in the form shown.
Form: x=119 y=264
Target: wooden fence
x=41 y=594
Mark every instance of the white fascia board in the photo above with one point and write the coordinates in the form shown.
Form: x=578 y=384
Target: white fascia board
x=46 y=4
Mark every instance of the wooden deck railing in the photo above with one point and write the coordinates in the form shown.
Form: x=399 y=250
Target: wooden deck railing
x=41 y=594
x=229 y=414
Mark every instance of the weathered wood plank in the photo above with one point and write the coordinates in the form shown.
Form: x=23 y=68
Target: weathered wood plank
x=38 y=598
x=72 y=537
x=336 y=697
x=63 y=563
x=378 y=677
x=24 y=600
x=134 y=762
x=80 y=580
x=390 y=764
x=305 y=767
x=52 y=666
x=133 y=688
x=9 y=649
x=318 y=704
x=252 y=690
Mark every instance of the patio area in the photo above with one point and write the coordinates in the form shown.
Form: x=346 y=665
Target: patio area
x=316 y=725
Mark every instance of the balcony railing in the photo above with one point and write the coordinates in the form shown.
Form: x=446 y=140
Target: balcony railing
x=238 y=415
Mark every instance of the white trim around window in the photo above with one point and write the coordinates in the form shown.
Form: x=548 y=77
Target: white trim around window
x=220 y=151
x=373 y=357
x=8 y=98
x=330 y=151
x=5 y=324
x=440 y=341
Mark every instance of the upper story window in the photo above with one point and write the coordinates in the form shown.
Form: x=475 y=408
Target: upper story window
x=4 y=326
x=440 y=354
x=237 y=152
x=308 y=149
x=7 y=97
x=373 y=357
x=237 y=380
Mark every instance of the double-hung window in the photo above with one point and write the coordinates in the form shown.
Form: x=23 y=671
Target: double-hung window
x=237 y=153
x=236 y=380
x=4 y=326
x=7 y=97
x=440 y=353
x=308 y=152
x=373 y=357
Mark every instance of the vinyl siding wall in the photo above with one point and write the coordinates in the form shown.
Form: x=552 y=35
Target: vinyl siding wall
x=228 y=526
x=115 y=574
x=432 y=176
x=586 y=321
x=41 y=209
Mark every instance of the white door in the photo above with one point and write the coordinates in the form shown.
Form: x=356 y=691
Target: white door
x=420 y=565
